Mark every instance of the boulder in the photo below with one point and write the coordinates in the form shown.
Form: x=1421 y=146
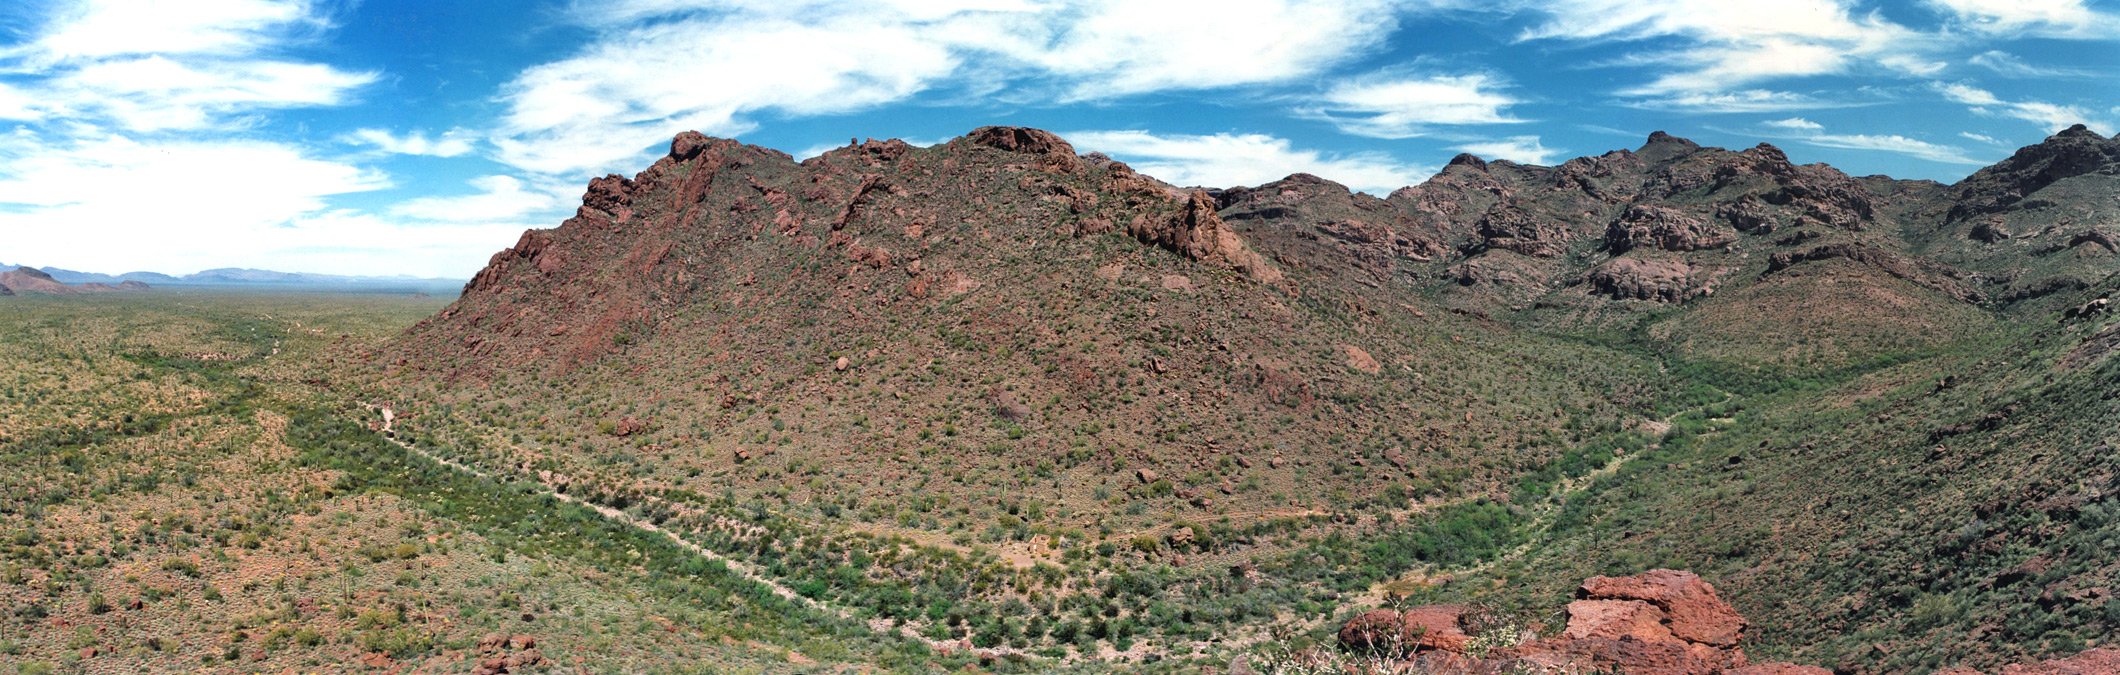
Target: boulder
x=1418 y=628
x=1691 y=609
x=687 y=145
x=1614 y=619
x=2090 y=662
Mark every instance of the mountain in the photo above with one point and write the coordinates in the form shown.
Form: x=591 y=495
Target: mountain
x=232 y=276
x=32 y=281
x=1876 y=412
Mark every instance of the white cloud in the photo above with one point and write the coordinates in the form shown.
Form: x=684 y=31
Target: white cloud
x=1812 y=133
x=1796 y=123
x=1402 y=107
x=499 y=198
x=162 y=199
x=1519 y=149
x=650 y=73
x=1979 y=137
x=105 y=28
x=452 y=143
x=2009 y=64
x=139 y=146
x=1968 y=94
x=1119 y=47
x=1228 y=160
x=153 y=93
x=1734 y=44
x=1746 y=101
x=1894 y=143
x=143 y=65
x=2049 y=116
x=2046 y=18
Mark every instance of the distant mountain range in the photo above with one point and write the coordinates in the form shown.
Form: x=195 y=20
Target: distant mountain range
x=246 y=277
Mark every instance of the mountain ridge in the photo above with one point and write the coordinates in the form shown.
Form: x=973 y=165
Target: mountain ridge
x=1120 y=376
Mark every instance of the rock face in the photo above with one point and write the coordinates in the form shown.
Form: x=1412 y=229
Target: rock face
x=1198 y=233
x=1637 y=279
x=2090 y=662
x=1418 y=628
x=1665 y=228
x=1690 y=608
x=1661 y=622
x=2072 y=152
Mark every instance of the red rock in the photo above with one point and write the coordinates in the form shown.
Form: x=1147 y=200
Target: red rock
x=522 y=642
x=2090 y=662
x=1635 y=657
x=1425 y=627
x=376 y=660
x=1613 y=619
x=1374 y=629
x=1691 y=609
x=1022 y=139
x=1785 y=669
x=1197 y=233
x=492 y=642
x=1435 y=626
x=687 y=145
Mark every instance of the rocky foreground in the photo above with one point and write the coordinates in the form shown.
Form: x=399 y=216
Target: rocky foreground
x=1660 y=622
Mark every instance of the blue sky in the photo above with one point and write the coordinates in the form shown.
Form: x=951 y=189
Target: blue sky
x=390 y=136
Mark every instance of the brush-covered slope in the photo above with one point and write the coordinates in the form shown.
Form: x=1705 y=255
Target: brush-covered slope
x=1740 y=260
x=994 y=319
x=998 y=391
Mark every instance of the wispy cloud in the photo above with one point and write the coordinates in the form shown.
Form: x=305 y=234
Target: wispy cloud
x=1813 y=133
x=1745 y=101
x=452 y=143
x=1520 y=149
x=1736 y=44
x=2050 y=116
x=2009 y=64
x=1228 y=160
x=1796 y=123
x=649 y=72
x=1406 y=106
x=2042 y=18
x=1894 y=143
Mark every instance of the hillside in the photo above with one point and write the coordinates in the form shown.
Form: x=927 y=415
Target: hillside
x=1116 y=419
x=32 y=281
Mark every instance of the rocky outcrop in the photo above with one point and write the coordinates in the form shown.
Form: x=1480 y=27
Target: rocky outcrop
x=1416 y=629
x=2072 y=152
x=2090 y=662
x=1921 y=272
x=1198 y=233
x=1665 y=228
x=1510 y=227
x=1690 y=607
x=1661 y=622
x=1637 y=279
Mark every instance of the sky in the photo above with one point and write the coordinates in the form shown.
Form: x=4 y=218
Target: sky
x=419 y=137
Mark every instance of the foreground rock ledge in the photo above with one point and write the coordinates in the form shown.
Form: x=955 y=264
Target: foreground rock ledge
x=1660 y=622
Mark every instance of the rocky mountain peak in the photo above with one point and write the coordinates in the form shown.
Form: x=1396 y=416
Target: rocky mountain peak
x=1663 y=146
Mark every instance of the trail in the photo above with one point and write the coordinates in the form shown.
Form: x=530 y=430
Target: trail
x=742 y=569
